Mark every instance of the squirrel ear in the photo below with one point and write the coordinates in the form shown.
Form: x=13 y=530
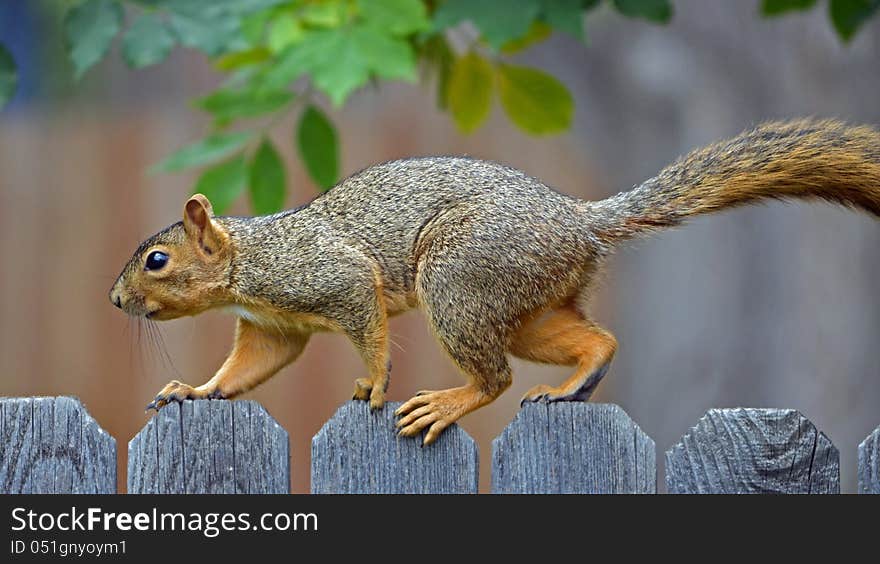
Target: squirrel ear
x=197 y=214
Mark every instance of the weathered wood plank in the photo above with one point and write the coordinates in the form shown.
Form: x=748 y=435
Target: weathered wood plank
x=359 y=451
x=52 y=445
x=210 y=446
x=258 y=446
x=869 y=464
x=573 y=447
x=746 y=450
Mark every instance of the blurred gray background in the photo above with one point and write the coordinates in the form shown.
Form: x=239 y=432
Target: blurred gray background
x=766 y=306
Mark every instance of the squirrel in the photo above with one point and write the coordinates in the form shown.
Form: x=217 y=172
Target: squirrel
x=499 y=262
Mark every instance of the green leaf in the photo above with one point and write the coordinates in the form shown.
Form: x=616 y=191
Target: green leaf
x=565 y=15
x=341 y=60
x=212 y=9
x=234 y=7
x=237 y=60
x=253 y=27
x=207 y=150
x=537 y=33
x=534 y=100
x=398 y=17
x=300 y=58
x=318 y=147
x=230 y=104
x=469 y=91
x=285 y=31
x=213 y=36
x=267 y=180
x=343 y=68
x=147 y=42
x=327 y=14
x=659 y=11
x=849 y=15
x=8 y=76
x=777 y=7
x=223 y=183
x=498 y=21
x=89 y=28
x=385 y=56
x=336 y=65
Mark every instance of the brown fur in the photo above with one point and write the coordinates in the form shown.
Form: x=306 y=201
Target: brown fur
x=804 y=159
x=499 y=262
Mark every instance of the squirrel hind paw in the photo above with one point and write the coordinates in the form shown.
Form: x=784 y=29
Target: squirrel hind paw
x=548 y=394
x=579 y=388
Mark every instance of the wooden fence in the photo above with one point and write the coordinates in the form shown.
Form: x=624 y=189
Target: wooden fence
x=52 y=445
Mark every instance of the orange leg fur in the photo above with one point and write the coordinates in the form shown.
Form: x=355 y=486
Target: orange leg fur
x=374 y=351
x=565 y=337
x=256 y=356
x=372 y=344
x=436 y=410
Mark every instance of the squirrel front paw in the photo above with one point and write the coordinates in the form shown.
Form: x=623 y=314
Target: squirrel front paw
x=178 y=391
x=364 y=390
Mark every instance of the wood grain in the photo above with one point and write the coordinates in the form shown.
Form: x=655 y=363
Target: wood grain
x=572 y=447
x=358 y=451
x=746 y=450
x=210 y=446
x=869 y=464
x=52 y=445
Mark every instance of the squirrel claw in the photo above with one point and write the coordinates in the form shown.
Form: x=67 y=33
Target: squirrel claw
x=179 y=392
x=541 y=394
x=537 y=399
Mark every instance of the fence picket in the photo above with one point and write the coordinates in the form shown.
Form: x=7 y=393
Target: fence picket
x=52 y=445
x=573 y=447
x=208 y=446
x=747 y=450
x=358 y=451
x=869 y=464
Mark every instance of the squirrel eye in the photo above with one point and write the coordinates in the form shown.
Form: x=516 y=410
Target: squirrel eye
x=156 y=260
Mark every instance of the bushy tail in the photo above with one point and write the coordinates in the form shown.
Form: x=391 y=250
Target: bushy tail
x=804 y=159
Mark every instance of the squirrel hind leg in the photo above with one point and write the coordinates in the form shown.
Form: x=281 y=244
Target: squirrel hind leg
x=473 y=339
x=564 y=336
x=481 y=359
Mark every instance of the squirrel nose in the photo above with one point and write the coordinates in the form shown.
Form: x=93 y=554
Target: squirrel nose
x=116 y=299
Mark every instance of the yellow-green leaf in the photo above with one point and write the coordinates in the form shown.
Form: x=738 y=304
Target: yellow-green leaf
x=438 y=58
x=327 y=14
x=239 y=59
x=534 y=100
x=537 y=33
x=469 y=91
x=286 y=30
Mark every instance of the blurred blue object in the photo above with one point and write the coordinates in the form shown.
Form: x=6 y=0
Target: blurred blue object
x=19 y=32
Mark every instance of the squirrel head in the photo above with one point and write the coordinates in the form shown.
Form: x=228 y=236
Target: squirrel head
x=182 y=270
